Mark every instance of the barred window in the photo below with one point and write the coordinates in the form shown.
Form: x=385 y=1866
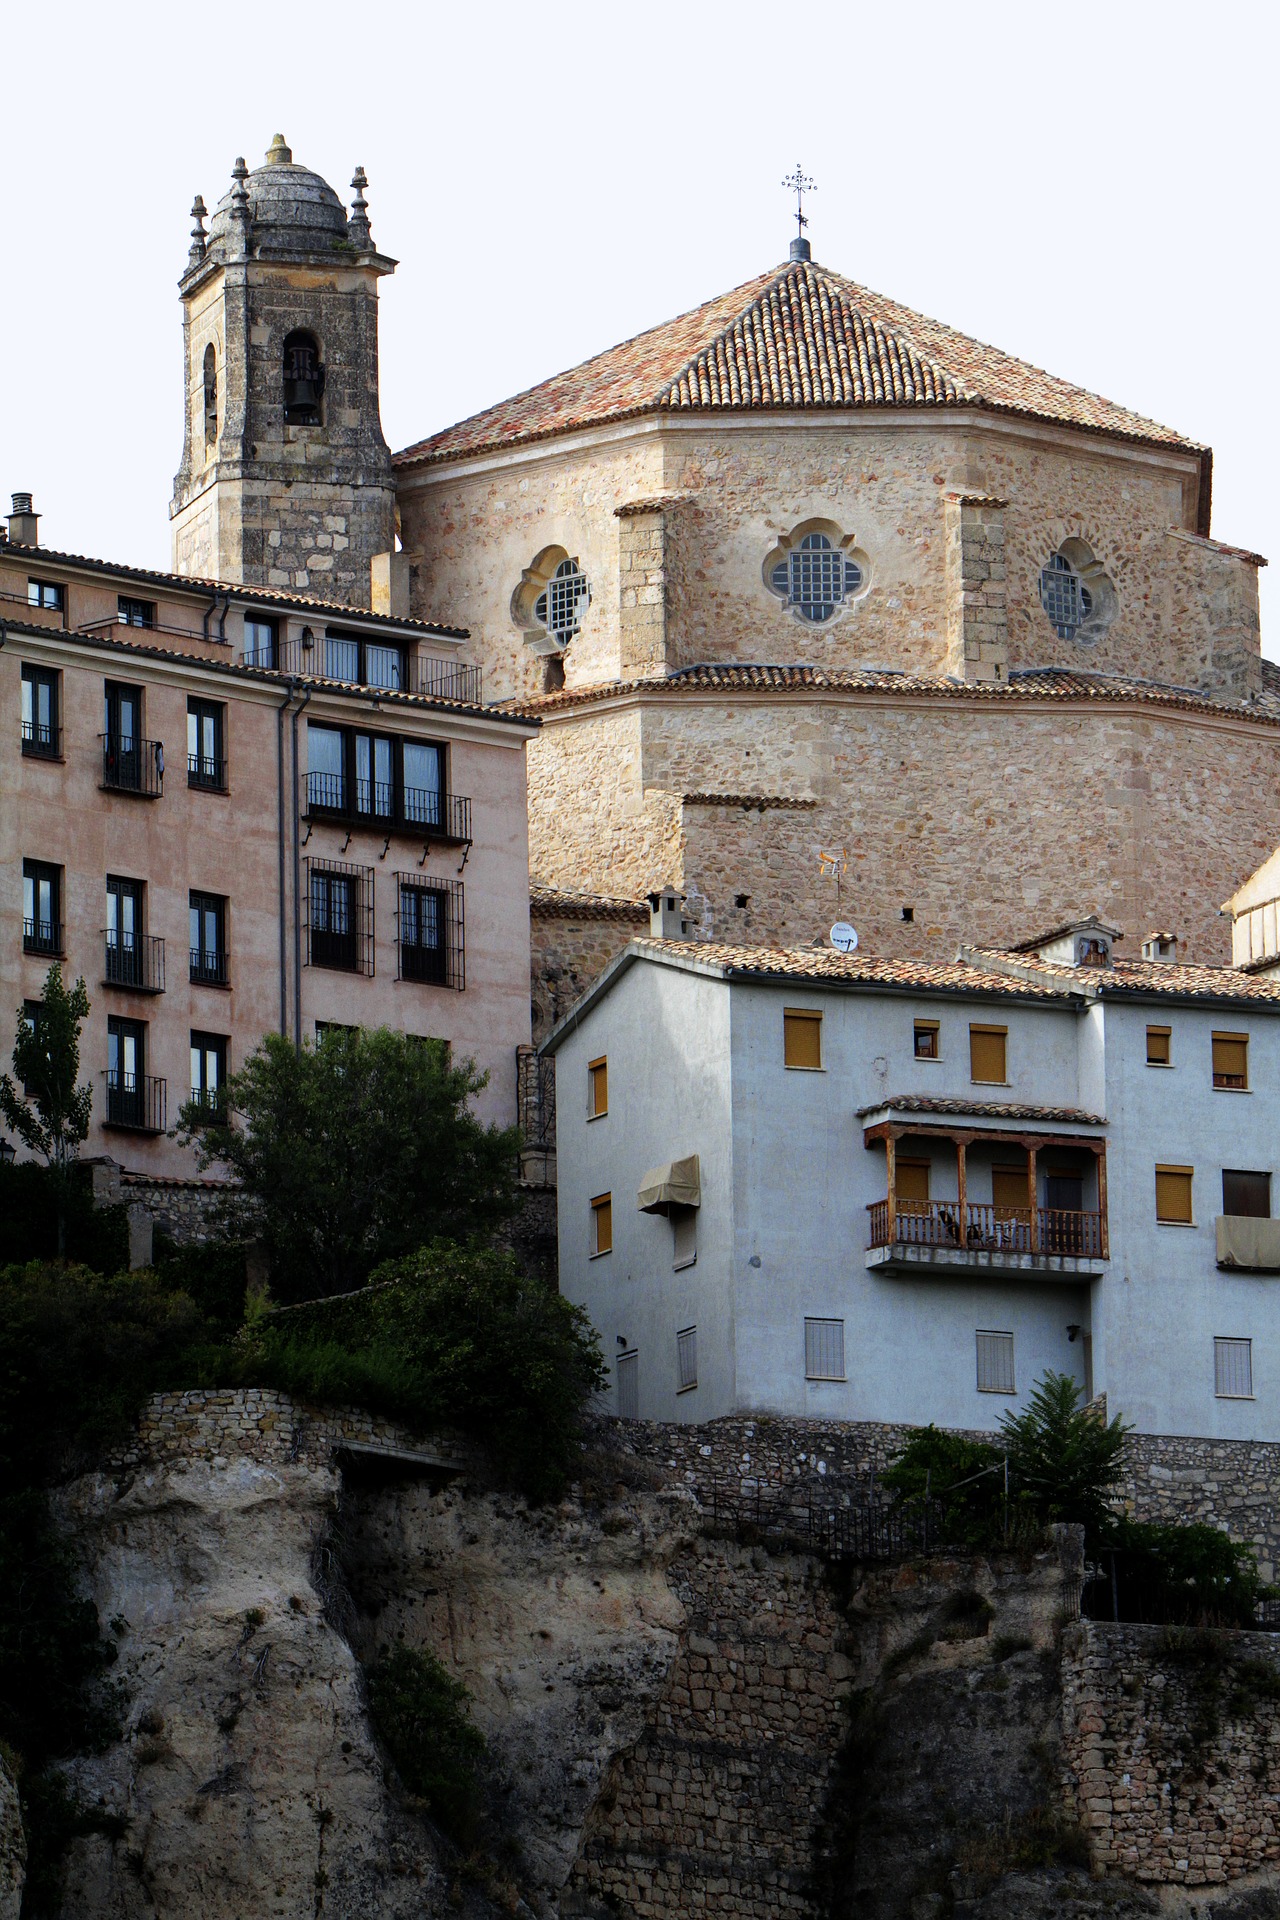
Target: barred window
x=1233 y=1369
x=340 y=916
x=563 y=601
x=687 y=1359
x=824 y=1349
x=430 y=932
x=816 y=578
x=1064 y=597
x=995 y=1363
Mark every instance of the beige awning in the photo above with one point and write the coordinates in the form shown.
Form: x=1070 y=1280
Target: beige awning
x=1244 y=1241
x=678 y=1184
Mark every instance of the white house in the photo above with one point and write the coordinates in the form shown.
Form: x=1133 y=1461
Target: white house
x=813 y=1183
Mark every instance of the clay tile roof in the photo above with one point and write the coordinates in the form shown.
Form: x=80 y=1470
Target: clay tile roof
x=823 y=965
x=983 y=1109
x=1031 y=683
x=1138 y=978
x=797 y=337
x=553 y=903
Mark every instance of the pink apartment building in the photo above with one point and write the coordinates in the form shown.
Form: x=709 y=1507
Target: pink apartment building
x=237 y=811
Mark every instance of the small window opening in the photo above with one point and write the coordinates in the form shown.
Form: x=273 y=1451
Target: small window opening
x=1173 y=1196
x=908 y=914
x=598 y=1088
x=1159 y=1047
x=802 y=1039
x=563 y=601
x=816 y=578
x=1231 y=1061
x=741 y=901
x=601 y=1224
x=1064 y=597
x=926 y=1039
x=988 y=1063
x=553 y=674
x=210 y=397
x=303 y=380
x=1233 y=1369
x=686 y=1359
x=1246 y=1195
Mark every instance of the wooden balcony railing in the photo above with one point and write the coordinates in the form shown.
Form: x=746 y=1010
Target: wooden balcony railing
x=988 y=1229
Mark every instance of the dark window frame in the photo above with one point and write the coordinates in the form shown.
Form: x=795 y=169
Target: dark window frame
x=136 y=1102
x=203 y=971
x=441 y=963
x=37 y=589
x=363 y=642
x=133 y=612
x=440 y=815
x=40 y=934
x=41 y=741
x=1248 y=1185
x=348 y=948
x=133 y=958
x=209 y=1102
x=208 y=772
x=253 y=657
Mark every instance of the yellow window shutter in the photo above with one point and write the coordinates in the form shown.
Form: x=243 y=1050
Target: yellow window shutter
x=1010 y=1193
x=987 y=1054
x=1173 y=1195
x=911 y=1180
x=599 y=1072
x=801 y=1038
x=1230 y=1060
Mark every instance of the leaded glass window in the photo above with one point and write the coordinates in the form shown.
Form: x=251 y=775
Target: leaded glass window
x=816 y=578
x=563 y=601
x=1064 y=597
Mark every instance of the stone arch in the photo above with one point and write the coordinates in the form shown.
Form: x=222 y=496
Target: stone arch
x=209 y=384
x=302 y=379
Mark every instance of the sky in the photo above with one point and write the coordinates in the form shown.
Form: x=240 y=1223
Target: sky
x=1092 y=188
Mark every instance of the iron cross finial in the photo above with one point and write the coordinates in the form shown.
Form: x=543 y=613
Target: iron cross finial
x=800 y=183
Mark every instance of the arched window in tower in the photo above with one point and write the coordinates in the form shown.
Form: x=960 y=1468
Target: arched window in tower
x=210 y=398
x=816 y=571
x=303 y=379
x=563 y=601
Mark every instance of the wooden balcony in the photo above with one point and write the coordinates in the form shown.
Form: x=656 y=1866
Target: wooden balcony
x=916 y=1236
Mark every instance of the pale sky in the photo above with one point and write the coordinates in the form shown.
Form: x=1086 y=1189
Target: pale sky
x=1092 y=188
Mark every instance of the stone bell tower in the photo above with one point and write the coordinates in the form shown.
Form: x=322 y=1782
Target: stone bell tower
x=285 y=478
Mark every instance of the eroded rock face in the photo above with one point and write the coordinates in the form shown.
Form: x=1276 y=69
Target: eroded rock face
x=247 y=1778
x=13 y=1848
x=562 y=1622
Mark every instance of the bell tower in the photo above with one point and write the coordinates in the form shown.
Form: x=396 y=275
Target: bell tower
x=286 y=478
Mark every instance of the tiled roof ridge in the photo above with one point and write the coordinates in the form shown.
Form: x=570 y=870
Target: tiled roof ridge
x=546 y=902
x=826 y=964
x=798 y=336
x=1178 y=979
x=986 y=1109
x=1026 y=684
x=196 y=583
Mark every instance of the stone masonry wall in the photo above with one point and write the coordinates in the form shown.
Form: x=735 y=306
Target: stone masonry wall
x=988 y=816
x=568 y=950
x=1172 y=1750
x=715 y=1808
x=187 y=1210
x=256 y=1423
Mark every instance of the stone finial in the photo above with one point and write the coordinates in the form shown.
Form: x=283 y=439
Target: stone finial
x=240 y=211
x=199 y=239
x=278 y=154
x=358 y=224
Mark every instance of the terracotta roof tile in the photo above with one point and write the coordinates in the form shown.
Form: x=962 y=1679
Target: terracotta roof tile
x=1139 y=978
x=983 y=1109
x=554 y=903
x=823 y=964
x=1039 y=683
x=797 y=337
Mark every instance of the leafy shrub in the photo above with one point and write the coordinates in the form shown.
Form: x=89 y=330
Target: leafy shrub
x=212 y=1276
x=1065 y=1461
x=1190 y=1576
x=956 y=1475
x=448 y=1336
x=421 y=1716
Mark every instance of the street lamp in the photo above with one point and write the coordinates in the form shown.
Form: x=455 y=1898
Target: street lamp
x=8 y=1153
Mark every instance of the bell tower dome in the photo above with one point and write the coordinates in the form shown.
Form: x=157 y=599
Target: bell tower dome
x=285 y=478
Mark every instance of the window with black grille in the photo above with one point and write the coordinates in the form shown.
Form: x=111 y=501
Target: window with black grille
x=430 y=933
x=340 y=916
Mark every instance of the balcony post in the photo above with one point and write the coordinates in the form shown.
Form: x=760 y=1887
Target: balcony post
x=1031 y=1196
x=891 y=1174
x=1100 y=1152
x=962 y=1200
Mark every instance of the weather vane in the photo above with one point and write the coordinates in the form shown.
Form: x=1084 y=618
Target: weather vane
x=800 y=183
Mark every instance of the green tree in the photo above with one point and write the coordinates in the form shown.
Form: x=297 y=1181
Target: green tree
x=355 y=1151
x=50 y=1114
x=1065 y=1460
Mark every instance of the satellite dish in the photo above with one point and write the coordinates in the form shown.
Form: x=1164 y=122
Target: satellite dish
x=844 y=936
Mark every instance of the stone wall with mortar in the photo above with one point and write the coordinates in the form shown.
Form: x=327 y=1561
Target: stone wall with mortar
x=568 y=949
x=716 y=1808
x=989 y=814
x=187 y=1210
x=1171 y=1745
x=254 y=1423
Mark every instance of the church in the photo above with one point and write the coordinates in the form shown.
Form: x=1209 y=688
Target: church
x=827 y=611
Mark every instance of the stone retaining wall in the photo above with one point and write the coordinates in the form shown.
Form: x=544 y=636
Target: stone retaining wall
x=1171 y=1743
x=259 y=1423
x=184 y=1209
x=1232 y=1484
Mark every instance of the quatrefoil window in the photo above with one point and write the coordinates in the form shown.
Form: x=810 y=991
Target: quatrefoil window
x=815 y=573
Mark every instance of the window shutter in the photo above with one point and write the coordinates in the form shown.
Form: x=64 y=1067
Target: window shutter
x=911 y=1180
x=1158 y=1050
x=1233 y=1369
x=684 y=1223
x=627 y=1376
x=687 y=1358
x=987 y=1054
x=598 y=1070
x=824 y=1350
x=802 y=1038
x=1246 y=1194
x=995 y=1363
x=1173 y=1195
x=602 y=1223
x=1230 y=1060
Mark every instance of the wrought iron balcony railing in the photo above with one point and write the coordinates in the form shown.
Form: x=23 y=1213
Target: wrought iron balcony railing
x=134 y=960
x=42 y=936
x=208 y=966
x=137 y=1102
x=132 y=765
x=41 y=742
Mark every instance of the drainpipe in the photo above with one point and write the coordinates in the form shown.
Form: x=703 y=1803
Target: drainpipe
x=291 y=688
x=222 y=619
x=297 y=883
x=208 y=615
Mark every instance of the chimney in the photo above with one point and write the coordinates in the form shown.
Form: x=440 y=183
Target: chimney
x=666 y=920
x=1161 y=946
x=24 y=525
